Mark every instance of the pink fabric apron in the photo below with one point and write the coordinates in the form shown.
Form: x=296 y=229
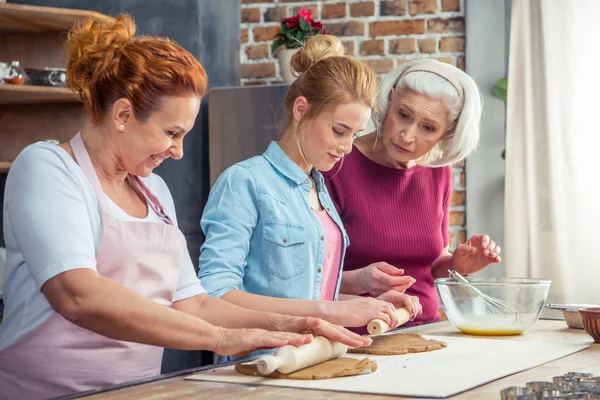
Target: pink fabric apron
x=58 y=357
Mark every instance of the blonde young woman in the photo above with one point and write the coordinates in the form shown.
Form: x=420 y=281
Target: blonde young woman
x=274 y=240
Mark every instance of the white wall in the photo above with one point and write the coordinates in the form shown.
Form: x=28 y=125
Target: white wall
x=487 y=29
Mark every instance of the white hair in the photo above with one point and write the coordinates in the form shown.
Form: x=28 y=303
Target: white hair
x=464 y=110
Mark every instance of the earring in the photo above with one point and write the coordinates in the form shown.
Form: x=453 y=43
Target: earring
x=121 y=127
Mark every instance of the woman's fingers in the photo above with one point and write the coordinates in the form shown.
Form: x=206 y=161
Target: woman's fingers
x=390 y=281
x=357 y=340
x=339 y=334
x=394 y=319
x=385 y=317
x=485 y=240
x=402 y=289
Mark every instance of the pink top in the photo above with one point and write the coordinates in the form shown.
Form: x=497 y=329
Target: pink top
x=399 y=216
x=333 y=255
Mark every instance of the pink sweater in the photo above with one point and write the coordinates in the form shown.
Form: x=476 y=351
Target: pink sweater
x=399 y=216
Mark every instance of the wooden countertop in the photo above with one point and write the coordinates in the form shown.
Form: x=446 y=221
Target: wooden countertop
x=546 y=330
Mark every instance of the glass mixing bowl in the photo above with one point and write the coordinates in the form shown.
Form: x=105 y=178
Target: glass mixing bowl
x=493 y=306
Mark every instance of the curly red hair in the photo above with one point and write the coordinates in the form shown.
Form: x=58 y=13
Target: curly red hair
x=106 y=62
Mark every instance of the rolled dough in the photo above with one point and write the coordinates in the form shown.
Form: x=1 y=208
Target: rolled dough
x=399 y=344
x=342 y=366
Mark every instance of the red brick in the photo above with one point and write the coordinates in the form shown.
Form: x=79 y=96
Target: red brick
x=462 y=178
x=403 y=27
x=264 y=33
x=403 y=46
x=257 y=51
x=457 y=218
x=261 y=70
x=428 y=45
x=349 y=46
x=400 y=61
x=460 y=62
x=275 y=14
x=250 y=15
x=447 y=60
x=392 y=7
x=458 y=198
x=450 y=5
x=363 y=9
x=309 y=7
x=244 y=35
x=335 y=10
x=297 y=1
x=446 y=25
x=372 y=47
x=380 y=66
x=256 y=1
x=352 y=28
x=461 y=237
x=452 y=44
x=422 y=7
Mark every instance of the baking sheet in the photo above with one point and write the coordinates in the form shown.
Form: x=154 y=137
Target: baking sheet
x=465 y=364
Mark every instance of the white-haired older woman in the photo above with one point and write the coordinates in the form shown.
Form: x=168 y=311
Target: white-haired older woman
x=393 y=191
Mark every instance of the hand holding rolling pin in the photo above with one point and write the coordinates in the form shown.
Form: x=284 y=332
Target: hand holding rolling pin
x=409 y=309
x=239 y=342
x=289 y=359
x=402 y=300
x=355 y=311
x=377 y=326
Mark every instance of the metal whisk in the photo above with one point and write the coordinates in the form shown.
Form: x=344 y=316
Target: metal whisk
x=491 y=304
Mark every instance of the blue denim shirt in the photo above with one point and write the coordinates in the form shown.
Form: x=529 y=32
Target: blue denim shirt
x=262 y=237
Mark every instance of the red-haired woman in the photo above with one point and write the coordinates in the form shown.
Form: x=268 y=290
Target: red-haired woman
x=98 y=276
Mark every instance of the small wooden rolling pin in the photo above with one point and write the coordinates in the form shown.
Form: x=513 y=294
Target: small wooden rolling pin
x=289 y=358
x=378 y=326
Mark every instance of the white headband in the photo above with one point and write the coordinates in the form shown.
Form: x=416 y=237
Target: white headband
x=438 y=71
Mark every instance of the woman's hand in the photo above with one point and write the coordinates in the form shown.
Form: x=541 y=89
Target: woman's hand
x=319 y=327
x=240 y=342
x=399 y=300
x=360 y=311
x=475 y=254
x=381 y=277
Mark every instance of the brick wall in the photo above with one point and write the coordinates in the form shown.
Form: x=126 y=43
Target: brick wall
x=381 y=33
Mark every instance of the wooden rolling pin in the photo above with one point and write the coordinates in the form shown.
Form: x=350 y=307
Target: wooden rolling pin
x=289 y=358
x=378 y=326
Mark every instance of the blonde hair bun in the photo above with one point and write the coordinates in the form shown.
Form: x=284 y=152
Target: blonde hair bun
x=317 y=48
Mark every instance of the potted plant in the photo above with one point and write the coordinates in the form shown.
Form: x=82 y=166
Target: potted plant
x=293 y=34
x=500 y=90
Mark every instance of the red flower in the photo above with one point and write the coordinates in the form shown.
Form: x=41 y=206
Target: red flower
x=291 y=22
x=316 y=25
x=295 y=30
x=304 y=13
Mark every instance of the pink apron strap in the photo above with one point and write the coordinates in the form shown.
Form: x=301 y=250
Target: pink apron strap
x=152 y=200
x=83 y=159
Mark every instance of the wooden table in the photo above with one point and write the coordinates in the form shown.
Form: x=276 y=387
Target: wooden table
x=177 y=388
